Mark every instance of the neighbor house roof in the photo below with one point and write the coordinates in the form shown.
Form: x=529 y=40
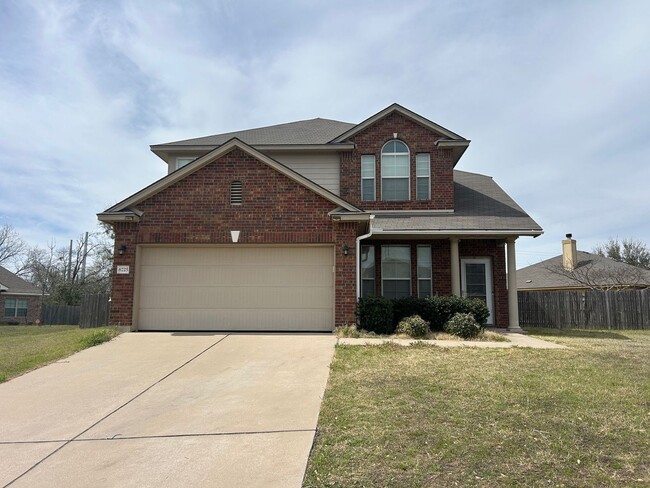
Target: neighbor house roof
x=599 y=271
x=481 y=206
x=11 y=284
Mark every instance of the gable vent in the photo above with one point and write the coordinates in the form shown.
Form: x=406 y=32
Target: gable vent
x=236 y=193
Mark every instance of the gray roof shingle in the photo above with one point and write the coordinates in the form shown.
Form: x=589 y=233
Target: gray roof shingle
x=313 y=131
x=480 y=205
x=599 y=270
x=15 y=284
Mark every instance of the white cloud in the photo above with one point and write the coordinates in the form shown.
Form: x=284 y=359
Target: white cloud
x=554 y=96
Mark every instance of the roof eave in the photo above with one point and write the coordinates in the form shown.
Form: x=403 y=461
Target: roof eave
x=458 y=147
x=118 y=217
x=483 y=233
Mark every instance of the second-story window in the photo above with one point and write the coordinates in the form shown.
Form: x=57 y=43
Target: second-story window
x=236 y=193
x=423 y=176
x=368 y=178
x=395 y=171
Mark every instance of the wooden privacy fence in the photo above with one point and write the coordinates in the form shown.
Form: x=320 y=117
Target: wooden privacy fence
x=94 y=310
x=54 y=314
x=589 y=309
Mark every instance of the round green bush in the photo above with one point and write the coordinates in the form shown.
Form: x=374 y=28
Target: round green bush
x=414 y=326
x=463 y=325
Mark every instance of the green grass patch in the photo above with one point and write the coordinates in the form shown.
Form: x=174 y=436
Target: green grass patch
x=24 y=347
x=423 y=416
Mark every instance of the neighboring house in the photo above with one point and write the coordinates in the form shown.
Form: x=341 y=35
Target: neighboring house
x=283 y=227
x=20 y=302
x=579 y=270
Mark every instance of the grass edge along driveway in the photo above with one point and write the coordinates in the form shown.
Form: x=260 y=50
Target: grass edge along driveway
x=26 y=347
x=426 y=416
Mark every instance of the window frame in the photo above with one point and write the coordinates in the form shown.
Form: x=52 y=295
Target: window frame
x=418 y=156
x=407 y=177
x=16 y=308
x=430 y=277
x=373 y=178
x=383 y=271
x=369 y=249
x=188 y=160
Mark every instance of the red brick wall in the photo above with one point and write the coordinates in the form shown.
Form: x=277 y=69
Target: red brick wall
x=441 y=267
x=419 y=140
x=197 y=210
x=33 y=309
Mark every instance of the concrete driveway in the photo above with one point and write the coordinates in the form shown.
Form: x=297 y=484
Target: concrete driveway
x=166 y=409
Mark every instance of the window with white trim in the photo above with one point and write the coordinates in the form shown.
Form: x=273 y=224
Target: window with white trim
x=395 y=171
x=180 y=162
x=15 y=308
x=367 y=271
x=423 y=176
x=396 y=271
x=236 y=193
x=368 y=178
x=424 y=271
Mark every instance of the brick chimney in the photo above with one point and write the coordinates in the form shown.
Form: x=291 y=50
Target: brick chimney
x=569 y=253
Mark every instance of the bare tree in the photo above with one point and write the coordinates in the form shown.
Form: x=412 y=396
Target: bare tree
x=628 y=251
x=64 y=277
x=12 y=247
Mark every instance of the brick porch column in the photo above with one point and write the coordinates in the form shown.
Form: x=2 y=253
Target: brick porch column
x=513 y=307
x=455 y=267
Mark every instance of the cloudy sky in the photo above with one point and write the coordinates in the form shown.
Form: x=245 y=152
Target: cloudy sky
x=554 y=95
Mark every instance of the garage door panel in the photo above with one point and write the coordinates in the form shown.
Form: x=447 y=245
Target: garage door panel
x=238 y=297
x=236 y=288
x=206 y=256
x=239 y=319
x=232 y=275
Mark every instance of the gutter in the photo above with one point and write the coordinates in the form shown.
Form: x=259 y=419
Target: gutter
x=358 y=255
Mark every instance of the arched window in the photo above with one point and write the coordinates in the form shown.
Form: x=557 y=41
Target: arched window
x=395 y=171
x=236 y=193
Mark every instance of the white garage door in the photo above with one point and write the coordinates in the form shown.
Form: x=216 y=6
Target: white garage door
x=236 y=288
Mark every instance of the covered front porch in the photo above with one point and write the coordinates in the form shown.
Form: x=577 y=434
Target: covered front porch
x=396 y=265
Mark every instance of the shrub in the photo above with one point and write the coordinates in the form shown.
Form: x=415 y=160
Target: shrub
x=375 y=314
x=414 y=326
x=463 y=325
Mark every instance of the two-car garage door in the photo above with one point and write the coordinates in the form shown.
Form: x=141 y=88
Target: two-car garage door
x=235 y=288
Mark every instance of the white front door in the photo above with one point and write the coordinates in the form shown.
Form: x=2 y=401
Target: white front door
x=476 y=280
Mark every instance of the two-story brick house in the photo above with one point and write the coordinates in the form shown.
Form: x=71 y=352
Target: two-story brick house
x=284 y=227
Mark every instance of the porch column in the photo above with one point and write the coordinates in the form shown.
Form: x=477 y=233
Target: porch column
x=513 y=307
x=455 y=267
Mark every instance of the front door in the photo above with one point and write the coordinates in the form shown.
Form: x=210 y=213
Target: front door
x=476 y=278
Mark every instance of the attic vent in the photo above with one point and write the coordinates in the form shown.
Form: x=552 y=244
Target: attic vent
x=236 y=193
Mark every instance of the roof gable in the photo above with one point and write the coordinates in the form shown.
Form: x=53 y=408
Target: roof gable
x=451 y=136
x=156 y=187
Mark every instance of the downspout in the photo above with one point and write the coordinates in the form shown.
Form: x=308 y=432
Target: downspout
x=358 y=255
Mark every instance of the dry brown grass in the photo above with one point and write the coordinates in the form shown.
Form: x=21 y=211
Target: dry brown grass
x=422 y=416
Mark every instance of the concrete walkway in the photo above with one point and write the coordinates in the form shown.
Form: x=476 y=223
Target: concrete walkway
x=164 y=409
x=516 y=340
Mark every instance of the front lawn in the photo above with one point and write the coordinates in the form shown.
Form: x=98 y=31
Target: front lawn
x=426 y=416
x=25 y=347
